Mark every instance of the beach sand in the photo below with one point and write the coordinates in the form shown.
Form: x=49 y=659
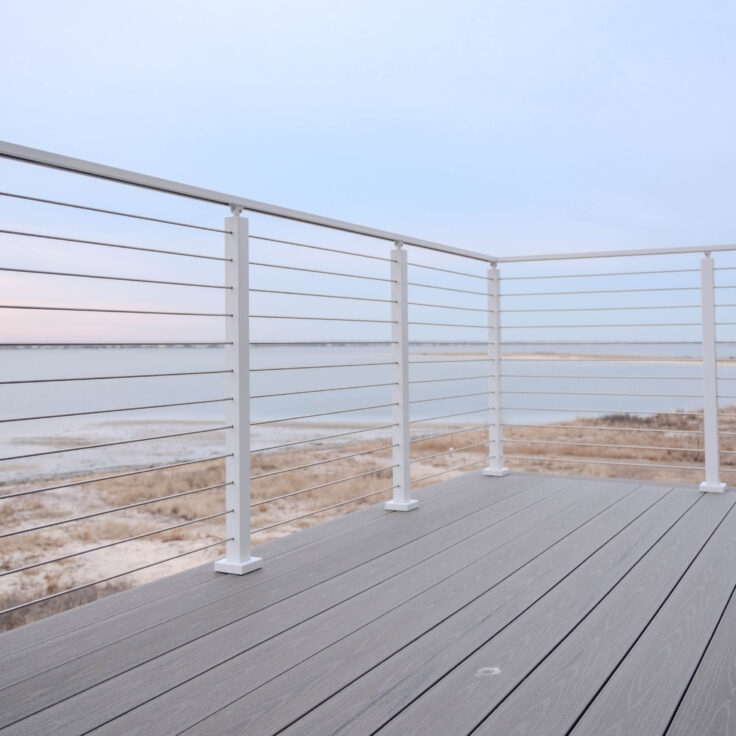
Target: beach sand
x=601 y=447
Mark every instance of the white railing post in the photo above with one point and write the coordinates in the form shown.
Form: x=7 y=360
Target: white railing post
x=238 y=559
x=712 y=482
x=495 y=428
x=402 y=500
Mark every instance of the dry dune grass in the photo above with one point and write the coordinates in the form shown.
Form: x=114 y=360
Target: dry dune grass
x=145 y=521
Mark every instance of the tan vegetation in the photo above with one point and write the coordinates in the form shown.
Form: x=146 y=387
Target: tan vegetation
x=598 y=447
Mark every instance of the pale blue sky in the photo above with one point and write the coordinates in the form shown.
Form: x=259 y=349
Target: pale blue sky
x=505 y=127
x=502 y=126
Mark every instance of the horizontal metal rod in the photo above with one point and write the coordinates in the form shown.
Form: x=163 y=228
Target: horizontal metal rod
x=316 y=270
x=567 y=375
x=322 y=296
x=115 y=444
x=599 y=444
x=448 y=470
x=111 y=344
x=322 y=390
x=113 y=544
x=102 y=478
x=474 y=428
x=448 y=270
x=447 y=306
x=540 y=357
x=112 y=311
x=446 y=288
x=567 y=327
x=450 y=324
x=325 y=508
x=313 y=367
x=317 y=247
x=449 y=452
x=112 y=278
x=617 y=428
x=112 y=212
x=320 y=439
x=320 y=414
x=452 y=360
x=605 y=291
x=322 y=462
x=292 y=343
x=602 y=462
x=599 y=393
x=613 y=411
x=110 y=577
x=320 y=319
x=601 y=342
x=99 y=171
x=322 y=485
x=446 y=398
x=112 y=411
x=95 y=514
x=460 y=378
x=587 y=275
x=104 y=244
x=603 y=309
x=112 y=378
x=447 y=416
x=617 y=253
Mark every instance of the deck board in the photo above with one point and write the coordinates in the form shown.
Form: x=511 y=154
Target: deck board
x=604 y=605
x=148 y=632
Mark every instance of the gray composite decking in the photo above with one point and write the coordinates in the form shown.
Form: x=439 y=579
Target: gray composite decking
x=529 y=604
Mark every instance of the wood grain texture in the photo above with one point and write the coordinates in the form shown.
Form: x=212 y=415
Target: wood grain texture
x=709 y=705
x=232 y=645
x=133 y=616
x=151 y=638
x=291 y=695
x=66 y=622
x=552 y=697
x=589 y=558
x=644 y=691
x=528 y=604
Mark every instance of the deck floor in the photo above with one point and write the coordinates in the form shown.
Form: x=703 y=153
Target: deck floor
x=529 y=604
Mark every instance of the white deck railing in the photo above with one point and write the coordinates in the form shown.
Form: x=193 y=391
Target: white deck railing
x=392 y=292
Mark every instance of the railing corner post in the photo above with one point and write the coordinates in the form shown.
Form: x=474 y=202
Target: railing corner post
x=495 y=427
x=712 y=482
x=402 y=500
x=238 y=559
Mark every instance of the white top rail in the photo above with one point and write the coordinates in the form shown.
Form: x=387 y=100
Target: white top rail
x=617 y=253
x=100 y=171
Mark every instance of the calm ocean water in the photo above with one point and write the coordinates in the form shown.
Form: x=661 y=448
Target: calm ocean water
x=547 y=377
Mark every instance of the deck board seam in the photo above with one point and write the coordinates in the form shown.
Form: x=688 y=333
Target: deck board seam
x=661 y=499
x=649 y=622
x=699 y=662
x=570 y=485
x=438 y=529
x=412 y=641
x=440 y=499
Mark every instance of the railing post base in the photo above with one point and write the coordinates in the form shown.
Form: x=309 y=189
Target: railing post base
x=238 y=568
x=401 y=506
x=712 y=487
x=496 y=473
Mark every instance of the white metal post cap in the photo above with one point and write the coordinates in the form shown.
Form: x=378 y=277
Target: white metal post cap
x=412 y=503
x=239 y=568
x=496 y=472
x=712 y=487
